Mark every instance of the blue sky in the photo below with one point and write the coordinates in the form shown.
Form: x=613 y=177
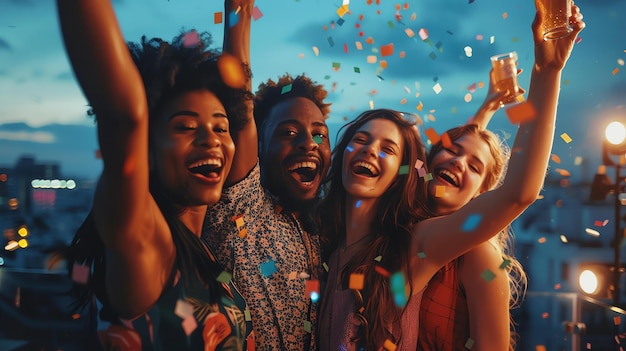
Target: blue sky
x=37 y=85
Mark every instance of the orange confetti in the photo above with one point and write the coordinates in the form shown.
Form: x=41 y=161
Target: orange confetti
x=615 y=71
x=440 y=191
x=432 y=135
x=380 y=270
x=231 y=70
x=505 y=15
x=383 y=64
x=403 y=101
x=357 y=281
x=617 y=320
x=545 y=315
x=445 y=140
x=386 y=50
x=369 y=40
x=218 y=18
x=402 y=54
x=562 y=172
x=389 y=346
x=541 y=240
x=521 y=113
x=555 y=158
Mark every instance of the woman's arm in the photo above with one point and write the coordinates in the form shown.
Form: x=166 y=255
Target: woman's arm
x=237 y=43
x=487 y=299
x=490 y=106
x=139 y=248
x=444 y=238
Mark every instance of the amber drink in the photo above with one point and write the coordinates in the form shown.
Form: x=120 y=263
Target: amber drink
x=556 y=18
x=505 y=75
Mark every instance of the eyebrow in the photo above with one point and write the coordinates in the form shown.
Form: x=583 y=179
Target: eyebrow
x=193 y=114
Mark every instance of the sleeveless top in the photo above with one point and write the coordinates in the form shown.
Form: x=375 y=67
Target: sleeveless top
x=444 y=319
x=183 y=319
x=339 y=320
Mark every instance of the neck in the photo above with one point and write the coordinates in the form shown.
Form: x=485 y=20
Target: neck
x=359 y=214
x=193 y=218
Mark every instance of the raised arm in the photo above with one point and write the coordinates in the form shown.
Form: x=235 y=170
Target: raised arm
x=237 y=43
x=139 y=249
x=444 y=238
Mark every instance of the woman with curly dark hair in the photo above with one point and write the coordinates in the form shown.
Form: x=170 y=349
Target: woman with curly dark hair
x=164 y=116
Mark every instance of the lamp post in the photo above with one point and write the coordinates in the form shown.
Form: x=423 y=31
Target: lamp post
x=613 y=144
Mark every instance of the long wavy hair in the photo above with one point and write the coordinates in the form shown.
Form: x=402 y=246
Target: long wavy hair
x=499 y=152
x=167 y=70
x=398 y=209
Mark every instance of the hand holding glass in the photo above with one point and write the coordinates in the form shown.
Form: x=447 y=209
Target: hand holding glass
x=505 y=75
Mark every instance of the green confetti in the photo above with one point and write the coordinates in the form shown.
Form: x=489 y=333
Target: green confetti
x=505 y=264
x=421 y=255
x=286 y=89
x=404 y=169
x=488 y=275
x=317 y=139
x=357 y=70
x=307 y=326
x=224 y=277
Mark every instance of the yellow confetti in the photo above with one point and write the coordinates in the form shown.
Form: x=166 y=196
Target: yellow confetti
x=566 y=138
x=440 y=191
x=389 y=346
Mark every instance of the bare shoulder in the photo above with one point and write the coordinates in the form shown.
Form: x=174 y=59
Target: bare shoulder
x=485 y=261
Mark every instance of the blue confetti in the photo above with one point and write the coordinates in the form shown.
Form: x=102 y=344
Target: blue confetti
x=382 y=154
x=314 y=296
x=471 y=223
x=349 y=148
x=233 y=18
x=268 y=268
x=397 y=289
x=358 y=203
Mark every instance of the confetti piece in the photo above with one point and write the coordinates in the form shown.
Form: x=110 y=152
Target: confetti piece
x=307 y=326
x=341 y=11
x=325 y=265
x=421 y=254
x=292 y=275
x=191 y=39
x=566 y=138
x=247 y=315
x=521 y=113
x=437 y=88
x=267 y=268
x=617 y=320
x=423 y=33
x=380 y=270
x=331 y=42
x=358 y=204
x=469 y=343
x=404 y=169
x=542 y=240
x=432 y=135
x=189 y=325
x=545 y=315
x=396 y=281
x=428 y=177
x=286 y=89
x=224 y=277
x=378 y=258
x=557 y=286
x=555 y=158
x=389 y=346
x=372 y=59
x=316 y=51
x=312 y=286
x=317 y=139
x=488 y=275
x=540 y=348
x=336 y=66
x=357 y=281
x=505 y=263
x=256 y=13
x=418 y=164
x=409 y=32
x=471 y=222
x=445 y=140
x=231 y=71
x=358 y=45
x=386 y=50
x=440 y=191
x=218 y=18
x=349 y=148
x=233 y=18
x=183 y=309
x=592 y=232
x=562 y=172
x=563 y=238
x=369 y=40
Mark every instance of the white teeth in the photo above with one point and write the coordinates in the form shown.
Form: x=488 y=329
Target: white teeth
x=367 y=166
x=450 y=175
x=208 y=162
x=307 y=164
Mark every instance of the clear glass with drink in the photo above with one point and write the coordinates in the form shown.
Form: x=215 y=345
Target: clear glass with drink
x=505 y=75
x=556 y=18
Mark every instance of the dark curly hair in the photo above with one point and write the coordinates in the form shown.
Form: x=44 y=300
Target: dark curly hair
x=167 y=70
x=271 y=93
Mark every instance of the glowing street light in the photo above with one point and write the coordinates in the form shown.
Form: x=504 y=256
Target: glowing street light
x=588 y=282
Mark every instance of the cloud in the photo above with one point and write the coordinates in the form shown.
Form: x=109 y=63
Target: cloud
x=37 y=137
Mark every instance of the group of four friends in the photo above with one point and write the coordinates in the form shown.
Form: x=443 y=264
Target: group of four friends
x=219 y=212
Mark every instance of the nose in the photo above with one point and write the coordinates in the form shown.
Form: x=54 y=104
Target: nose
x=372 y=149
x=307 y=142
x=459 y=163
x=206 y=137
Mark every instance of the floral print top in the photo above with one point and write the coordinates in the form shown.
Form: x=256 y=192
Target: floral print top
x=274 y=262
x=182 y=319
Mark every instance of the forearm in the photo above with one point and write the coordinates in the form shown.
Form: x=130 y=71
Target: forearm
x=531 y=150
x=99 y=56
